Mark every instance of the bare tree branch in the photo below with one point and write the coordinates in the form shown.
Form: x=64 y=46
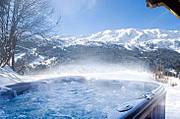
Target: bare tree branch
x=18 y=17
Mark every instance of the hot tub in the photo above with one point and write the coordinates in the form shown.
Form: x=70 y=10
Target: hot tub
x=78 y=98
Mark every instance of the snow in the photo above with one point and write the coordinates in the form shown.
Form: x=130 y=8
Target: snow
x=37 y=61
x=19 y=56
x=173 y=100
x=7 y=77
x=129 y=38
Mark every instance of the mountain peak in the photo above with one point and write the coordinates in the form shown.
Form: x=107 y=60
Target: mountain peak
x=131 y=37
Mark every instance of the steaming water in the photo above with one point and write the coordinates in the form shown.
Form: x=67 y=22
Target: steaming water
x=96 y=70
x=73 y=98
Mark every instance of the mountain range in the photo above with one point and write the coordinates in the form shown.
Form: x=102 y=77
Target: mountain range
x=147 y=47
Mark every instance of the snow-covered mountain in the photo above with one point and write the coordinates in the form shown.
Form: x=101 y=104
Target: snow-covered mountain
x=148 y=39
x=150 y=46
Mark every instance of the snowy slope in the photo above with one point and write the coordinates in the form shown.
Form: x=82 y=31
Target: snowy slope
x=7 y=77
x=148 y=39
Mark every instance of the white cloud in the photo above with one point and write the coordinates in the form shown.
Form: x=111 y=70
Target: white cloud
x=73 y=7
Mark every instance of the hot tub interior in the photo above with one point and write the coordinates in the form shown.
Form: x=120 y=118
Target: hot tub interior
x=74 y=98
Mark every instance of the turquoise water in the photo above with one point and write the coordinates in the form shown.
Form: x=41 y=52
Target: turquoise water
x=71 y=98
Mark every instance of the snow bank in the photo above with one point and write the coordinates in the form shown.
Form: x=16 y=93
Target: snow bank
x=7 y=76
x=173 y=100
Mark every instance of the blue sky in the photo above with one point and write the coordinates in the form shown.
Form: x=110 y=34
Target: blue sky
x=81 y=17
